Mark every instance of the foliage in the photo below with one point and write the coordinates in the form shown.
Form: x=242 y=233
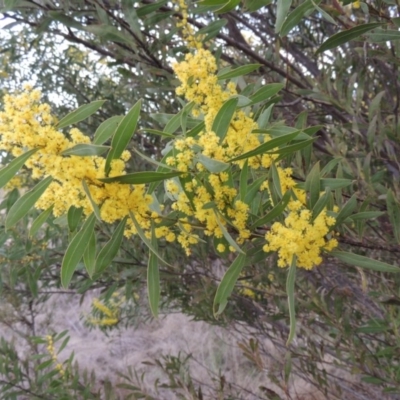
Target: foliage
x=279 y=144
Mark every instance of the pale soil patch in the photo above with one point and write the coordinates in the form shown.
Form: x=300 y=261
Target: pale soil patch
x=214 y=352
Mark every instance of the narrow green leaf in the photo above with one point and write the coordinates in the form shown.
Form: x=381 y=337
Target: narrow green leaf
x=239 y=71
x=39 y=221
x=253 y=189
x=267 y=146
x=89 y=256
x=347 y=35
x=153 y=277
x=159 y=133
x=84 y=150
x=22 y=206
x=74 y=216
x=152 y=161
x=335 y=183
x=243 y=180
x=140 y=178
x=274 y=213
x=321 y=203
x=184 y=114
x=266 y=92
x=76 y=249
x=227 y=284
x=95 y=207
x=106 y=129
x=284 y=151
x=173 y=124
x=196 y=130
x=383 y=36
x=110 y=250
x=212 y=165
x=144 y=238
x=226 y=234
x=223 y=118
x=331 y=164
x=80 y=114
x=346 y=210
x=393 y=208
x=364 y=262
x=313 y=185
x=149 y=8
x=296 y=16
x=291 y=278
x=366 y=215
x=229 y=6
x=123 y=134
x=211 y=30
x=9 y=171
x=282 y=10
x=276 y=182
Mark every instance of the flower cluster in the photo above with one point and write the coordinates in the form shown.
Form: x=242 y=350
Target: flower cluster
x=53 y=355
x=300 y=236
x=26 y=124
x=211 y=198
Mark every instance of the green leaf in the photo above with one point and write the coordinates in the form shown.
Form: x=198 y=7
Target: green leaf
x=173 y=124
x=123 y=134
x=229 y=6
x=282 y=10
x=267 y=146
x=65 y=19
x=254 y=5
x=140 y=178
x=212 y=165
x=40 y=220
x=331 y=164
x=239 y=71
x=346 y=210
x=80 y=114
x=274 y=213
x=226 y=234
x=393 y=208
x=382 y=35
x=196 y=130
x=284 y=151
x=335 y=183
x=296 y=16
x=159 y=133
x=321 y=203
x=144 y=238
x=84 y=150
x=364 y=262
x=366 y=215
x=95 y=207
x=227 y=284
x=110 y=250
x=291 y=278
x=74 y=216
x=347 y=35
x=9 y=171
x=22 y=206
x=89 y=256
x=313 y=185
x=266 y=92
x=106 y=129
x=211 y=30
x=223 y=118
x=153 y=277
x=76 y=249
x=149 y=8
x=243 y=181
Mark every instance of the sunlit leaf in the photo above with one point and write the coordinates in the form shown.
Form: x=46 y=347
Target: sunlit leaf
x=239 y=71
x=9 y=171
x=227 y=284
x=153 y=277
x=223 y=118
x=75 y=250
x=80 y=114
x=110 y=250
x=140 y=178
x=125 y=130
x=106 y=130
x=23 y=205
x=347 y=35
x=84 y=150
x=363 y=262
